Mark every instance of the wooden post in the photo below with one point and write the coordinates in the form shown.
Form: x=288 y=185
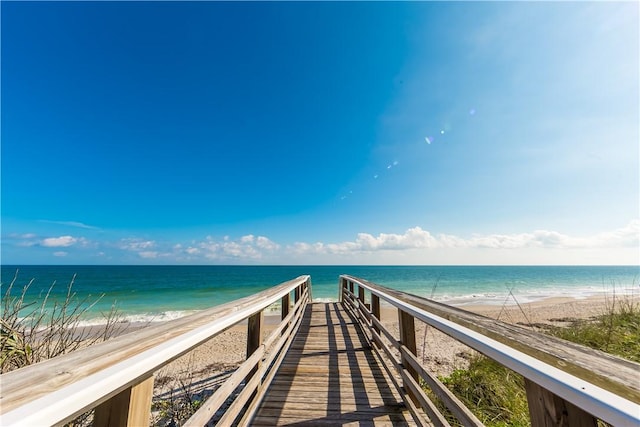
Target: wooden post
x=547 y=409
x=296 y=294
x=285 y=306
x=408 y=339
x=254 y=337
x=129 y=408
x=363 y=319
x=351 y=286
x=375 y=310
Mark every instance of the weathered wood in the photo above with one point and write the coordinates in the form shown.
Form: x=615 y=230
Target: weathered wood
x=408 y=339
x=418 y=396
x=548 y=410
x=296 y=294
x=129 y=408
x=329 y=373
x=600 y=383
x=86 y=378
x=461 y=412
x=215 y=401
x=612 y=373
x=375 y=310
x=361 y=294
x=254 y=336
x=222 y=394
x=273 y=361
x=284 y=309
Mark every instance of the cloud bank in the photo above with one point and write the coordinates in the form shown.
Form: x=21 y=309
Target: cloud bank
x=413 y=246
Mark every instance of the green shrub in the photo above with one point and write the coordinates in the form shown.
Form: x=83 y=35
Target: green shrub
x=496 y=395
x=492 y=392
x=617 y=331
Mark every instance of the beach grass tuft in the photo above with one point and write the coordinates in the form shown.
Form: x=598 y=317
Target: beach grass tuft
x=496 y=395
x=616 y=331
x=35 y=330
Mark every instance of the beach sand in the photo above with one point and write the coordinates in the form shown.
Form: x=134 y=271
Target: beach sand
x=438 y=352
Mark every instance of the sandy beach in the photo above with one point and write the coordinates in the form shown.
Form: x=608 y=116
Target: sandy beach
x=439 y=353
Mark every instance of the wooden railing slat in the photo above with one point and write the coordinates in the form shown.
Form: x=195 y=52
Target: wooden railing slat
x=59 y=389
x=584 y=378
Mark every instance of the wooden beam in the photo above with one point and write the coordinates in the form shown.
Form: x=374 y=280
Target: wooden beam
x=408 y=339
x=285 y=306
x=129 y=408
x=254 y=333
x=375 y=310
x=547 y=409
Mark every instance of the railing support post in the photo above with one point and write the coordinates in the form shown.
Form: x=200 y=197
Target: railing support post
x=343 y=288
x=375 y=310
x=296 y=294
x=130 y=407
x=408 y=339
x=254 y=337
x=547 y=409
x=284 y=306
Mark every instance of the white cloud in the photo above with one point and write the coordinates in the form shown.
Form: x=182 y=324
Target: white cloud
x=136 y=245
x=413 y=246
x=148 y=254
x=416 y=238
x=264 y=243
x=248 y=247
x=57 y=242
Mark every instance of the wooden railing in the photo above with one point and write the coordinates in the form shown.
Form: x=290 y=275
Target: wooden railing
x=116 y=377
x=566 y=384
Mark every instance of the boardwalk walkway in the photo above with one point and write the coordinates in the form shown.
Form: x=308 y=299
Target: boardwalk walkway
x=331 y=377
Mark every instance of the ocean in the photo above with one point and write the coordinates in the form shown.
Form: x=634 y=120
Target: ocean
x=156 y=293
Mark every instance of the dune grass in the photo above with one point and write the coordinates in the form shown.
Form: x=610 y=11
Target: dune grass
x=36 y=330
x=617 y=331
x=496 y=394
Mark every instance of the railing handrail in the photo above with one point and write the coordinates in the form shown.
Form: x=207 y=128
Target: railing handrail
x=59 y=389
x=612 y=400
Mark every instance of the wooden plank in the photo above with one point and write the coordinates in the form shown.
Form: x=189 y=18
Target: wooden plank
x=330 y=373
x=547 y=409
x=408 y=339
x=284 y=307
x=601 y=384
x=605 y=370
x=129 y=408
x=461 y=412
x=86 y=378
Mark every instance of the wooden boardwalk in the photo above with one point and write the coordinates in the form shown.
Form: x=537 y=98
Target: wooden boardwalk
x=330 y=376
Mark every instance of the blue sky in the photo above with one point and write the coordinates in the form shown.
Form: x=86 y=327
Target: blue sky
x=320 y=133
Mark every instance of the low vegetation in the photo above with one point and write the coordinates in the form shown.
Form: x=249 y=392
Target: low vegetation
x=36 y=330
x=616 y=332
x=496 y=395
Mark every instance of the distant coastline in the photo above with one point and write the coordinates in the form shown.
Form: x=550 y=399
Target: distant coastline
x=145 y=294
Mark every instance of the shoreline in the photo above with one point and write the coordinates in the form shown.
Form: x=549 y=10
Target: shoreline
x=438 y=352
x=478 y=305
x=538 y=310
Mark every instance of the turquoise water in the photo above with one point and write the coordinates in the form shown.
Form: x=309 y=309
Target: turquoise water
x=163 y=292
